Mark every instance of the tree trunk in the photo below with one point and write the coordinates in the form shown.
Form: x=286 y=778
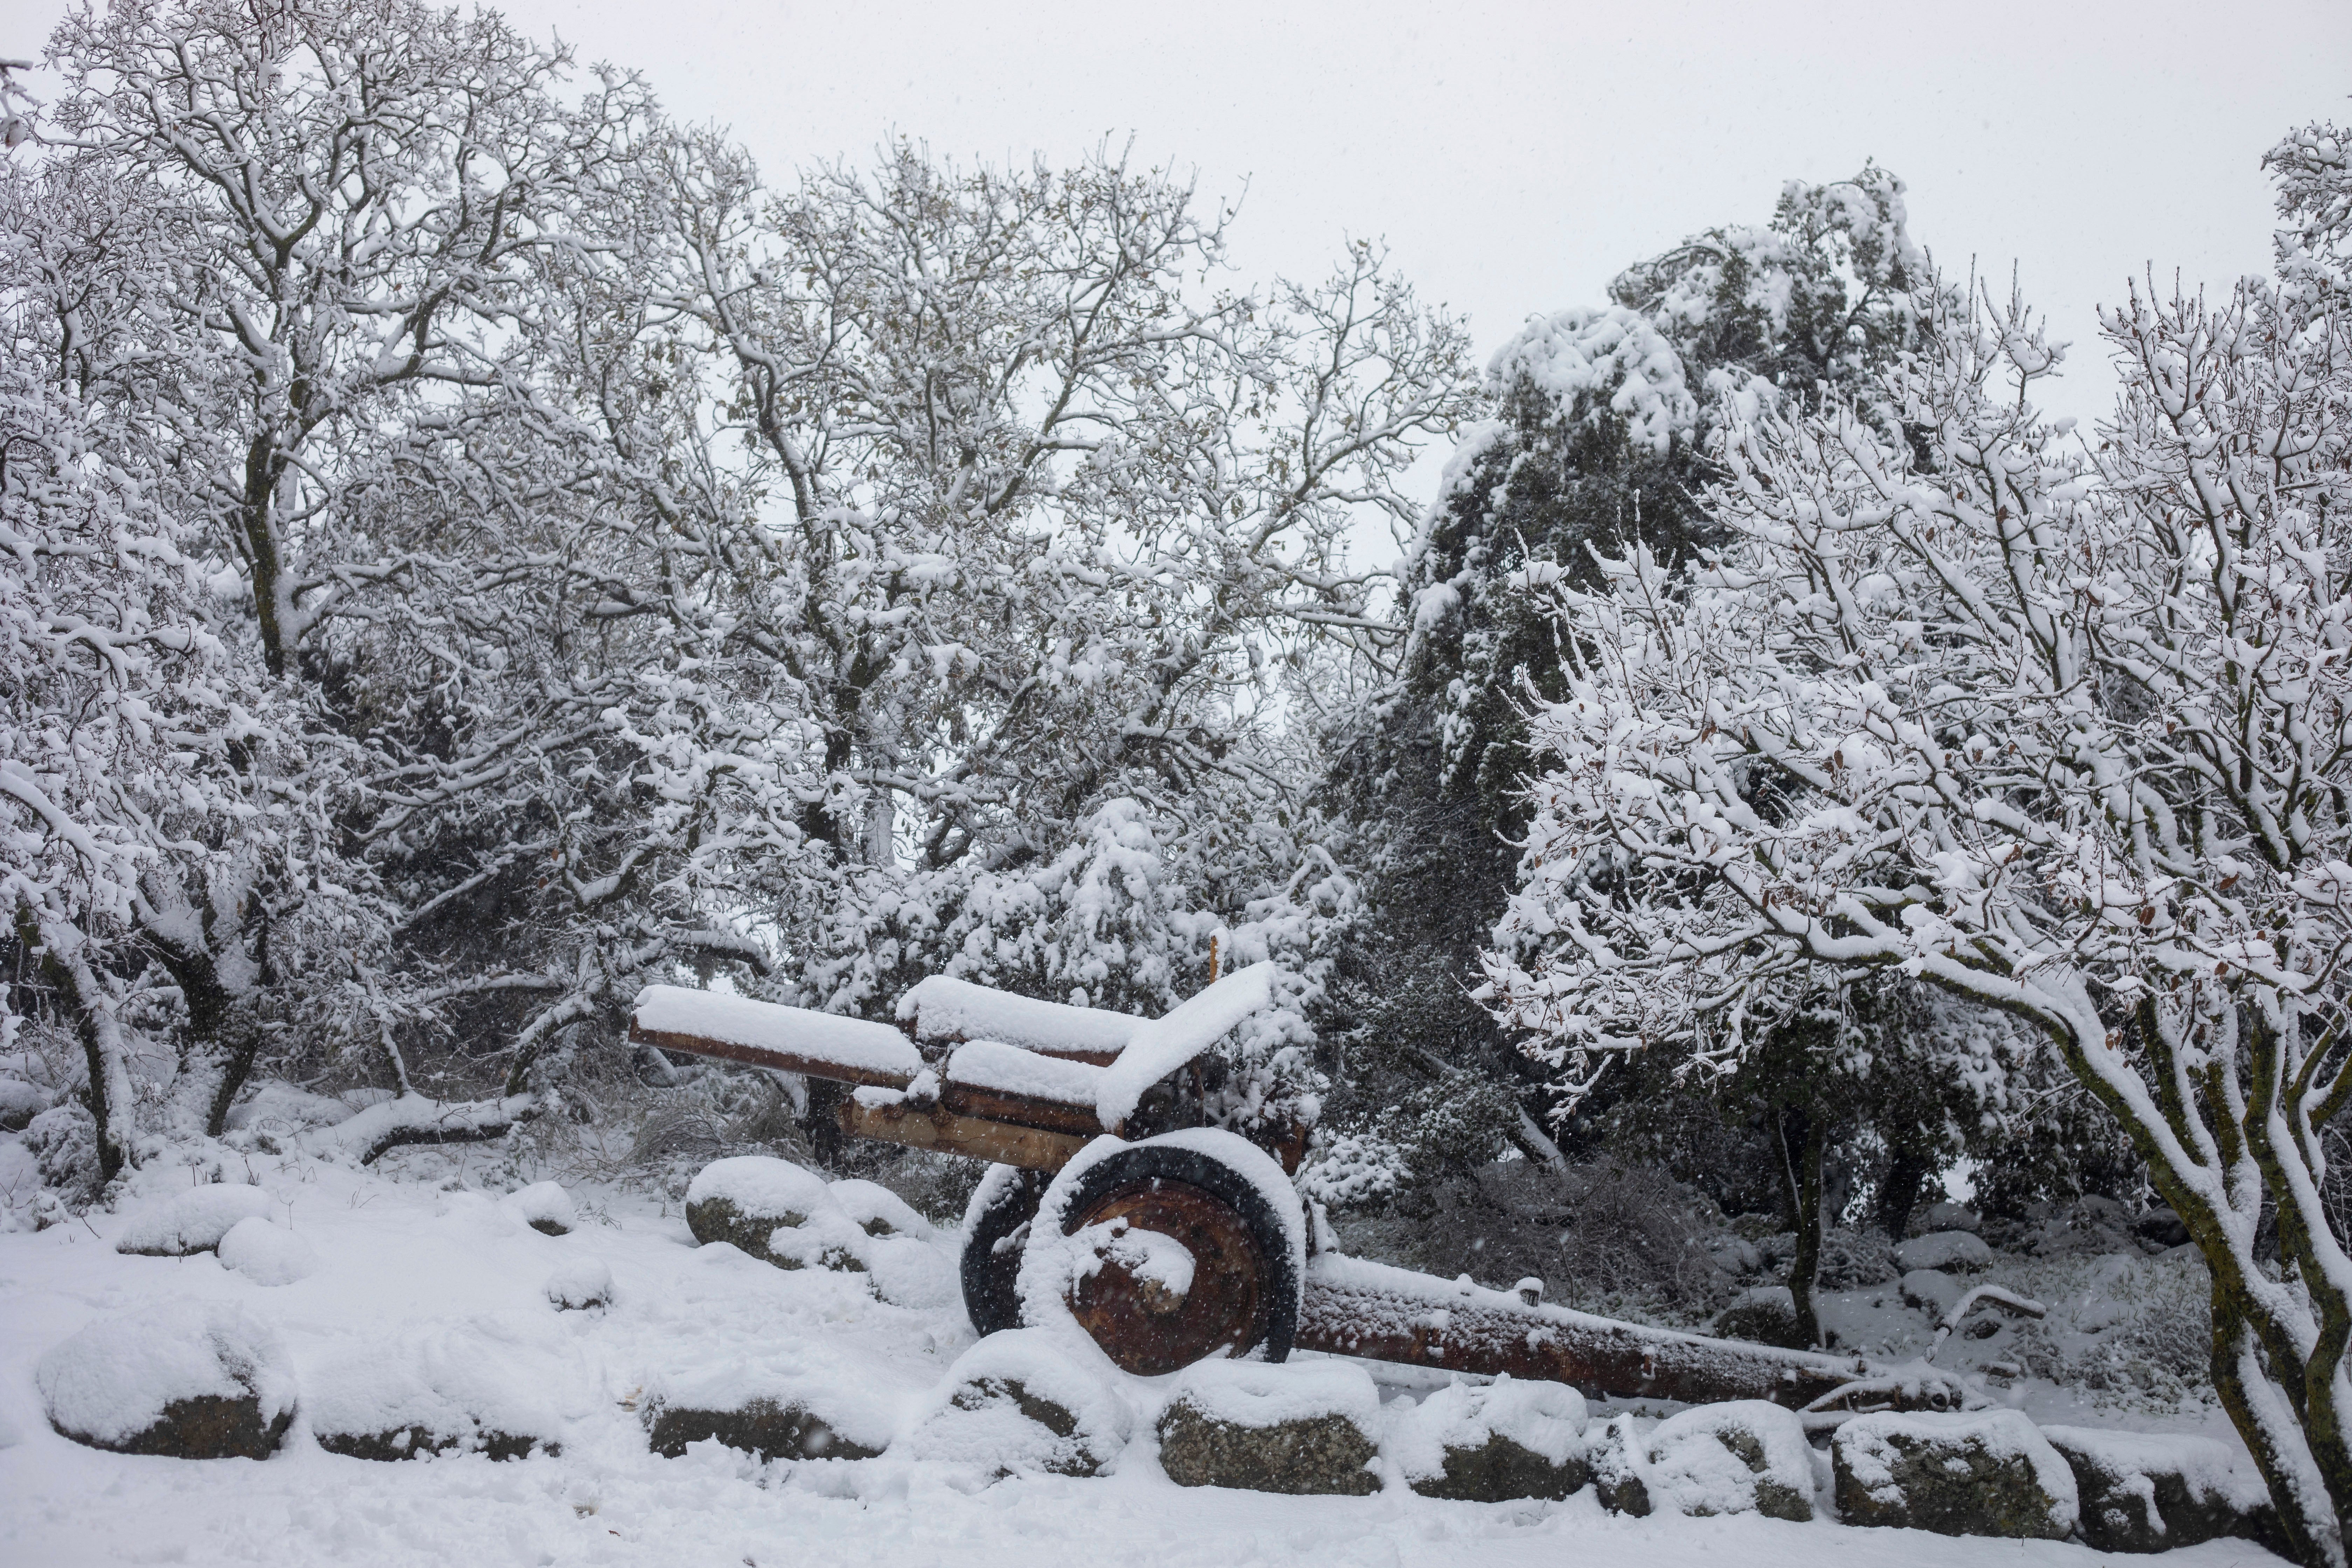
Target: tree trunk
x=1799 y=1136
x=101 y=1037
x=1906 y=1175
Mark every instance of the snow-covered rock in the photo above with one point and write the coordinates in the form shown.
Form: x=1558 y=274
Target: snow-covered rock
x=1761 y=1314
x=267 y=1253
x=192 y=1222
x=2149 y=1492
x=1987 y=1472
x=1505 y=1439
x=787 y=1416
x=580 y=1284
x=1617 y=1456
x=1744 y=1455
x=910 y=1262
x=20 y=1102
x=190 y=1380
x=1945 y=1250
x=1944 y=1216
x=777 y=1212
x=544 y=1206
x=492 y=1384
x=1296 y=1426
x=1932 y=1291
x=1016 y=1403
x=878 y=1211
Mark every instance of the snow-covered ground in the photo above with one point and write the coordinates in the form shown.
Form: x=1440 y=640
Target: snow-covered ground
x=459 y=1272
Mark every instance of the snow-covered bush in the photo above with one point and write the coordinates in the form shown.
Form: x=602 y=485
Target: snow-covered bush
x=2056 y=726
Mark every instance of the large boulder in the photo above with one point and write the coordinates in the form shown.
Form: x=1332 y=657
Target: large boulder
x=2149 y=1492
x=188 y=1380
x=494 y=1386
x=776 y=1416
x=1944 y=1250
x=1297 y=1427
x=267 y=1253
x=1492 y=1443
x=1986 y=1472
x=1015 y=1404
x=192 y=1222
x=1944 y=1216
x=1744 y=1455
x=777 y=1212
x=1764 y=1315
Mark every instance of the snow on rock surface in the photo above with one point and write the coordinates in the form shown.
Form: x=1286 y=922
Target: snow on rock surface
x=544 y=1206
x=501 y=1383
x=267 y=1253
x=943 y=1008
x=877 y=1211
x=196 y=1380
x=2148 y=1493
x=1945 y=1250
x=1932 y=1291
x=777 y=1413
x=192 y=1222
x=1987 y=1472
x=1168 y=1042
x=1267 y=1394
x=1945 y=1216
x=580 y=1284
x=1744 y=1455
x=1486 y=1443
x=1618 y=1454
x=1017 y=1403
x=1300 y=1427
x=767 y=1026
x=775 y=1211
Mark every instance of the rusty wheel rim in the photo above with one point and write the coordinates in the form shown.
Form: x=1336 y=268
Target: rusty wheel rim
x=1139 y=1322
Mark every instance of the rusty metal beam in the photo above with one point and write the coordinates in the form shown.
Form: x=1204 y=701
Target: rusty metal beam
x=935 y=1127
x=759 y=1057
x=1355 y=1308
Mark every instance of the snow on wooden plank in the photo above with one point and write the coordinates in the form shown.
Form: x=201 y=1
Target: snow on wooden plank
x=1166 y=1043
x=796 y=1039
x=1009 y=1069
x=942 y=1008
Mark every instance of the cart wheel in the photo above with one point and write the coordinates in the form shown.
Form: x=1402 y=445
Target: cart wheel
x=1192 y=1259
x=994 y=1228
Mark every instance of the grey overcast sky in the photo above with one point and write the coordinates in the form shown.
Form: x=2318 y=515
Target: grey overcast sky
x=1514 y=157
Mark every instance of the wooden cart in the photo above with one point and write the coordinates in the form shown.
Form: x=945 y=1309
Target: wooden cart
x=1094 y=1118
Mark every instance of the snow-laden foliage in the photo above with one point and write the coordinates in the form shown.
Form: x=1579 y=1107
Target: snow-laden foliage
x=478 y=547
x=2058 y=726
x=1603 y=419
